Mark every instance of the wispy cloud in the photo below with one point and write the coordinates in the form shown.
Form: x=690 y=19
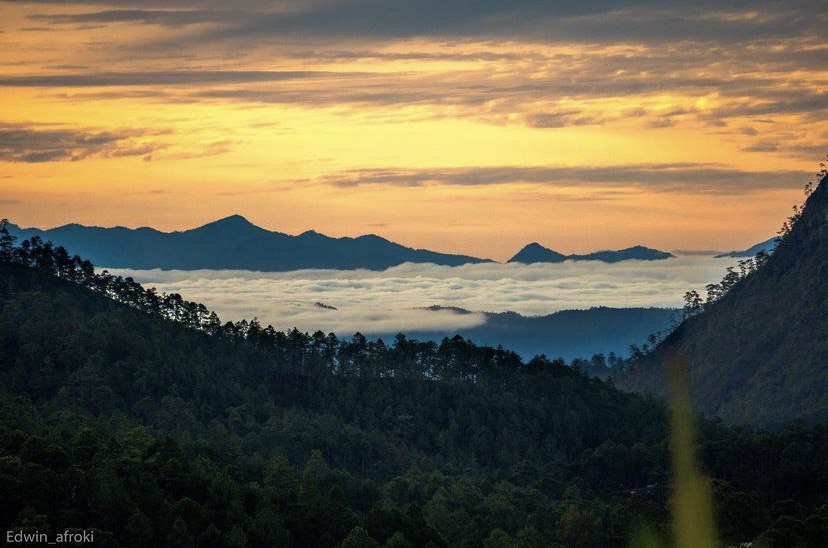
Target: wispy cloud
x=155 y=78
x=600 y=20
x=172 y=18
x=35 y=143
x=682 y=177
x=720 y=100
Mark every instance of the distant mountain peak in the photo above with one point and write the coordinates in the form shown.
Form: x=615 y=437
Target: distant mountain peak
x=233 y=224
x=372 y=237
x=233 y=242
x=536 y=253
x=235 y=220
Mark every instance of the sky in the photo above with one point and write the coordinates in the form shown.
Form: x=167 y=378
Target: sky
x=470 y=126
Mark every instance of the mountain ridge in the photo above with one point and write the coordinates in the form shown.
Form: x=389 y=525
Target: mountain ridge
x=233 y=242
x=536 y=253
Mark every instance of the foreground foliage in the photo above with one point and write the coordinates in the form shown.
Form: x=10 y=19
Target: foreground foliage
x=143 y=416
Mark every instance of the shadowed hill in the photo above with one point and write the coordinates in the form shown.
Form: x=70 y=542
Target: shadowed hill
x=760 y=353
x=566 y=334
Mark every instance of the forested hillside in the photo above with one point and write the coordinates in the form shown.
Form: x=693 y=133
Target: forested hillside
x=758 y=353
x=143 y=416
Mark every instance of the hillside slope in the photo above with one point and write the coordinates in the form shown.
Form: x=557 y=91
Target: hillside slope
x=760 y=354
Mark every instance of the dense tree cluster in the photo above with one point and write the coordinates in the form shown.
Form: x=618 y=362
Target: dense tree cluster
x=809 y=189
x=46 y=257
x=144 y=417
x=693 y=303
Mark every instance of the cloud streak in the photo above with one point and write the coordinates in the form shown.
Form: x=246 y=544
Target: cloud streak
x=172 y=18
x=683 y=177
x=598 y=20
x=37 y=144
x=156 y=78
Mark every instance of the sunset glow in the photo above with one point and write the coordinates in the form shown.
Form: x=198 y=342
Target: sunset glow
x=478 y=131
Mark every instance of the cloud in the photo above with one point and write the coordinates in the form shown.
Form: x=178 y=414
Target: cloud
x=561 y=119
x=762 y=146
x=207 y=149
x=568 y=81
x=544 y=89
x=392 y=301
x=596 y=20
x=689 y=177
x=173 y=18
x=36 y=143
x=155 y=78
x=660 y=66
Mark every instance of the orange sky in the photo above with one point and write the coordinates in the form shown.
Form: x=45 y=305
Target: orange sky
x=471 y=131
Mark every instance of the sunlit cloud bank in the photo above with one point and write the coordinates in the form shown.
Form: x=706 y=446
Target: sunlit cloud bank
x=393 y=300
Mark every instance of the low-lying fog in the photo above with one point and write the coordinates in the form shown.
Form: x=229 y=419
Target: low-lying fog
x=393 y=300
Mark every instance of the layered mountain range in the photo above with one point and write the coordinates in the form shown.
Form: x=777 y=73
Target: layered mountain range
x=236 y=243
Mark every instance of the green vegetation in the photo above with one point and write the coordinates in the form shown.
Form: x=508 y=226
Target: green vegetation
x=143 y=416
x=756 y=346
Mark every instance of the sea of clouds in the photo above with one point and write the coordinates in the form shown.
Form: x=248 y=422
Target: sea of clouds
x=394 y=300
